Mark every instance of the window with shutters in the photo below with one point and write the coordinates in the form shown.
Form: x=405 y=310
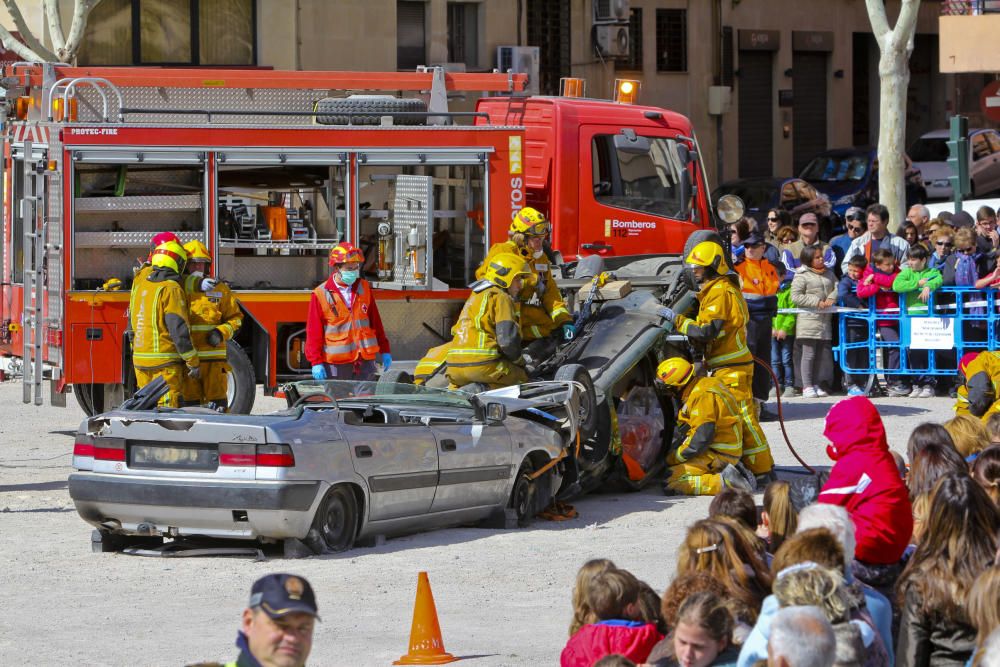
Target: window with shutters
x=549 y=30
x=463 y=33
x=671 y=40
x=171 y=32
x=411 y=34
x=634 y=61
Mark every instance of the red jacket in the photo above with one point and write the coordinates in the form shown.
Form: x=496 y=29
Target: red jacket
x=884 y=298
x=866 y=481
x=314 y=326
x=633 y=639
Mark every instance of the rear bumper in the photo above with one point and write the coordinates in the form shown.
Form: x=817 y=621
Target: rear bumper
x=196 y=507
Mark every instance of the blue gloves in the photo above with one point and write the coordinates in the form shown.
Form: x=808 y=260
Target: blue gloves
x=319 y=372
x=386 y=361
x=569 y=332
x=667 y=313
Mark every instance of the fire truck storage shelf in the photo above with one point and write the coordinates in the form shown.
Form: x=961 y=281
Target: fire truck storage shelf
x=124 y=239
x=139 y=203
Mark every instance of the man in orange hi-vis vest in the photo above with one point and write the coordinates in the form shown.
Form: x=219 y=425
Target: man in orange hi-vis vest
x=344 y=334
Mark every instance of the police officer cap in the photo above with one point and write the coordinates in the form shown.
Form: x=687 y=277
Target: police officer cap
x=278 y=595
x=754 y=239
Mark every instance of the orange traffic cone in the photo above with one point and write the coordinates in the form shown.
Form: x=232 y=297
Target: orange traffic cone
x=426 y=645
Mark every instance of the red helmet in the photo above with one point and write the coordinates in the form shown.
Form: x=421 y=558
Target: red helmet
x=343 y=253
x=966 y=360
x=163 y=237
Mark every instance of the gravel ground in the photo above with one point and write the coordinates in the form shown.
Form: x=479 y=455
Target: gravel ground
x=503 y=596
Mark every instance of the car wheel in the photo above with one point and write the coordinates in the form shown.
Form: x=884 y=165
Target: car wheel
x=336 y=522
x=396 y=377
x=588 y=400
x=340 y=110
x=522 y=497
x=104 y=541
x=242 y=379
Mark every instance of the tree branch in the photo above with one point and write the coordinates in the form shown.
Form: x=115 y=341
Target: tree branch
x=29 y=37
x=81 y=10
x=906 y=24
x=11 y=44
x=877 y=17
x=55 y=25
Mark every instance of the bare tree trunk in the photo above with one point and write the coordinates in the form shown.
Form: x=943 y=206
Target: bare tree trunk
x=895 y=45
x=32 y=49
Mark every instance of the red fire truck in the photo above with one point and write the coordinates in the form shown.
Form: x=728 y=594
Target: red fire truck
x=271 y=169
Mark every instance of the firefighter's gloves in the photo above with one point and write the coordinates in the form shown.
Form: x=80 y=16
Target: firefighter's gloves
x=319 y=372
x=386 y=361
x=214 y=338
x=208 y=284
x=194 y=372
x=667 y=313
x=568 y=332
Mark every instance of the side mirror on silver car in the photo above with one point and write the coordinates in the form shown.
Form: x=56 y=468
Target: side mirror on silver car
x=495 y=413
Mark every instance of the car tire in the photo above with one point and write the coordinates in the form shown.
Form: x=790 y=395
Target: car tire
x=242 y=379
x=396 y=377
x=522 y=496
x=104 y=541
x=338 y=110
x=336 y=522
x=588 y=400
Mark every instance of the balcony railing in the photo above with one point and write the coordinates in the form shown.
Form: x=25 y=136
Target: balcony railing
x=969 y=7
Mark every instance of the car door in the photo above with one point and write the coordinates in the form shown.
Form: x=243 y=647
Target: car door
x=475 y=463
x=399 y=462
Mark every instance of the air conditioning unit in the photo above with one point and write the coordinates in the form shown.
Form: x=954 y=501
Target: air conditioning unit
x=612 y=41
x=611 y=11
x=520 y=60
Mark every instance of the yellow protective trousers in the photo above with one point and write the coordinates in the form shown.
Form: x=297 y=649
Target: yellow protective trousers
x=699 y=476
x=211 y=387
x=431 y=362
x=174 y=375
x=496 y=374
x=756 y=452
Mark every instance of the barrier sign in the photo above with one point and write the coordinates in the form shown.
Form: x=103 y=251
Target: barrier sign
x=932 y=333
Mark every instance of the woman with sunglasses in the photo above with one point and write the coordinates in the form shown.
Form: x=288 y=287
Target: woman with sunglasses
x=943 y=243
x=776 y=219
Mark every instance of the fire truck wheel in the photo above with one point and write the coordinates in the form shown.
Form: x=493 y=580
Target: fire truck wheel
x=588 y=399
x=242 y=379
x=339 y=110
x=90 y=397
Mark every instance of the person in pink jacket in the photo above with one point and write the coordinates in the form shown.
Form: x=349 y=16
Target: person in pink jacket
x=866 y=482
x=876 y=281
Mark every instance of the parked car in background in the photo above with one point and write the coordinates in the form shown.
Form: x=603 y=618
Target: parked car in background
x=794 y=195
x=849 y=177
x=930 y=154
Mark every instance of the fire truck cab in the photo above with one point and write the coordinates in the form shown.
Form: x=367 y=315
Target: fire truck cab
x=272 y=169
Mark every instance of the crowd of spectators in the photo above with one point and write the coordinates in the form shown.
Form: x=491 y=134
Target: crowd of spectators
x=894 y=564
x=867 y=262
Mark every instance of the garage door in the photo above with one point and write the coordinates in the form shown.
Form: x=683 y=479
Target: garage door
x=808 y=106
x=756 y=98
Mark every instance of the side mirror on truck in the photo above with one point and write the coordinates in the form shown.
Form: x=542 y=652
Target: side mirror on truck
x=630 y=143
x=686 y=156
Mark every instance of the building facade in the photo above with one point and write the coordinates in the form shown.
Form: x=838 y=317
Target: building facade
x=768 y=83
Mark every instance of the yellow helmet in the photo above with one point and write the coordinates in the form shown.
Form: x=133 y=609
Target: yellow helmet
x=197 y=252
x=170 y=254
x=504 y=268
x=531 y=222
x=708 y=254
x=675 y=372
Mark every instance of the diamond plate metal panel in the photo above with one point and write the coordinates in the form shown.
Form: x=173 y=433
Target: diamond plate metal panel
x=403 y=322
x=413 y=213
x=139 y=203
x=132 y=238
x=207 y=99
x=273 y=272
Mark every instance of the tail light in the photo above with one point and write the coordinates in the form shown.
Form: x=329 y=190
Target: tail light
x=109 y=449
x=84 y=446
x=275 y=456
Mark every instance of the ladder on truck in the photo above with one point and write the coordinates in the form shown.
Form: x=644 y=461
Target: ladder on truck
x=33 y=326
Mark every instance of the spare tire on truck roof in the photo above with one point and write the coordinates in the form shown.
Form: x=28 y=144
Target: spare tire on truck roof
x=339 y=110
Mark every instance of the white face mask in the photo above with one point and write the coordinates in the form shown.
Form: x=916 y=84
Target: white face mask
x=538 y=253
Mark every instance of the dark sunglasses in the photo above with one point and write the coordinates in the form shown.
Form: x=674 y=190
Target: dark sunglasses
x=967 y=251
x=770 y=219
x=856 y=228
x=942 y=244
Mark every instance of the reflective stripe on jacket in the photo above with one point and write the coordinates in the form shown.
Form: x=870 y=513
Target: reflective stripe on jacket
x=487 y=329
x=158 y=314
x=721 y=324
x=713 y=420
x=348 y=334
x=216 y=309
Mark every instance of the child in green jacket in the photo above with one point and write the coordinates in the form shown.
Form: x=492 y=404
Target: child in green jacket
x=916 y=282
x=783 y=340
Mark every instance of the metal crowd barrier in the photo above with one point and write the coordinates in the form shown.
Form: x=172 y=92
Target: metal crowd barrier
x=957 y=320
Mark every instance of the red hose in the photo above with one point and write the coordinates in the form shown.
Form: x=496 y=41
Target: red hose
x=781 y=418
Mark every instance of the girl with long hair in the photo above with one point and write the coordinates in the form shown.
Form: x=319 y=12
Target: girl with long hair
x=778 y=519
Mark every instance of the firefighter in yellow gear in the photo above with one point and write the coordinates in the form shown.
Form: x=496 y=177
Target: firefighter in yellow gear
x=215 y=317
x=542 y=308
x=432 y=362
x=980 y=395
x=158 y=317
x=708 y=438
x=487 y=343
x=720 y=330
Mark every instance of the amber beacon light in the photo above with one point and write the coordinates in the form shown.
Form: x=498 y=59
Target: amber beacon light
x=572 y=87
x=627 y=91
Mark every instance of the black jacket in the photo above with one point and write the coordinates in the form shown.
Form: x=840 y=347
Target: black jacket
x=927 y=640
